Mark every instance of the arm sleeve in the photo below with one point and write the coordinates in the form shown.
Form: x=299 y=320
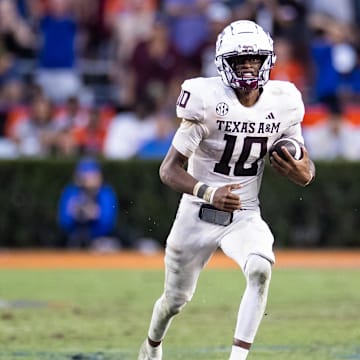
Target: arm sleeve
x=190 y=107
x=188 y=137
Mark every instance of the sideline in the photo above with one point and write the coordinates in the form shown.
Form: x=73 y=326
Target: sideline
x=45 y=259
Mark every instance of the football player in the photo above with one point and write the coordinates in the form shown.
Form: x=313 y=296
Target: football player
x=228 y=125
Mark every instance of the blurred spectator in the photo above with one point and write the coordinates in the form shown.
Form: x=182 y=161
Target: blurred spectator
x=69 y=120
x=57 y=73
x=90 y=138
x=82 y=130
x=11 y=84
x=153 y=66
x=219 y=15
x=37 y=134
x=158 y=146
x=155 y=149
x=288 y=67
x=332 y=137
x=189 y=29
x=279 y=17
x=8 y=148
x=17 y=35
x=341 y=10
x=17 y=41
x=130 y=130
x=335 y=61
x=73 y=114
x=94 y=38
x=88 y=209
x=126 y=51
x=131 y=22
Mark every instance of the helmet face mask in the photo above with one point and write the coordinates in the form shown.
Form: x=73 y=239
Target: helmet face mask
x=247 y=40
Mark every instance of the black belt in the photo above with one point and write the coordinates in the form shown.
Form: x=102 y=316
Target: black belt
x=213 y=215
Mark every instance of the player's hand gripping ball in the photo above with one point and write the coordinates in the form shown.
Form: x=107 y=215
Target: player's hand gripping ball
x=292 y=145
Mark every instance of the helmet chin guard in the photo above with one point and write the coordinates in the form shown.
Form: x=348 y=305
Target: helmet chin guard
x=242 y=38
x=248 y=84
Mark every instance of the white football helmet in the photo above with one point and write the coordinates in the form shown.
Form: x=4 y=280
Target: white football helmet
x=244 y=37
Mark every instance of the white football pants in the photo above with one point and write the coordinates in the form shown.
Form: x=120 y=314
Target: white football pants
x=190 y=245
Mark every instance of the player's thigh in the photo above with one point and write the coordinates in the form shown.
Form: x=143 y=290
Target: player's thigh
x=189 y=246
x=249 y=235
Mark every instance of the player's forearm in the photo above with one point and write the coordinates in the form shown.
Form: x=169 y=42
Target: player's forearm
x=173 y=174
x=181 y=181
x=177 y=178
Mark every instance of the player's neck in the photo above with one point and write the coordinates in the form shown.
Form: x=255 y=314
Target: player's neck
x=248 y=97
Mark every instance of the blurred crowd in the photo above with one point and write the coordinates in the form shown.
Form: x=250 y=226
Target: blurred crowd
x=101 y=77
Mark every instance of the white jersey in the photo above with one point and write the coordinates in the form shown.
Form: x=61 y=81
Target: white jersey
x=226 y=142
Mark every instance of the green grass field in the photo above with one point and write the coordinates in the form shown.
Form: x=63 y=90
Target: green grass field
x=103 y=315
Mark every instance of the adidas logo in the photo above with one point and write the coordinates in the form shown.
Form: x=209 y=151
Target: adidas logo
x=270 y=116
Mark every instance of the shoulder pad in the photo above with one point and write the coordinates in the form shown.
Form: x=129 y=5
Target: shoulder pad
x=190 y=104
x=290 y=100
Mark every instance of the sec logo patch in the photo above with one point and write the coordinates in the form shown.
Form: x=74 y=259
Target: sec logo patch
x=222 y=109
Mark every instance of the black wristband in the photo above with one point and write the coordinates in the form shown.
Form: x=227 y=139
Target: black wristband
x=201 y=191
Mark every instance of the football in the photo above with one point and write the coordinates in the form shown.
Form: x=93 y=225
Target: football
x=292 y=145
